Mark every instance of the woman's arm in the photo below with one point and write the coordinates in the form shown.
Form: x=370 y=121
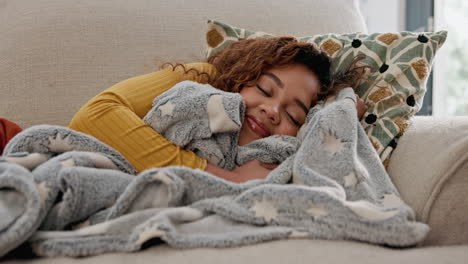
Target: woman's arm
x=115 y=117
x=249 y=171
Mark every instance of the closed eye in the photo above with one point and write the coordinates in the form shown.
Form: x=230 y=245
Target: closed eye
x=263 y=91
x=293 y=121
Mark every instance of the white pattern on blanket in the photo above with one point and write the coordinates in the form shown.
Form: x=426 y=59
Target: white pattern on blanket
x=87 y=200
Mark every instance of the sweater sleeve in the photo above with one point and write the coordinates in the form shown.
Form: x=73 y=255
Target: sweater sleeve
x=115 y=117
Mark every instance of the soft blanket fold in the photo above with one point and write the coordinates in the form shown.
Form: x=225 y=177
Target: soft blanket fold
x=67 y=194
x=207 y=121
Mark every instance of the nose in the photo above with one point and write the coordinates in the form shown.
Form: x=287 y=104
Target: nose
x=272 y=113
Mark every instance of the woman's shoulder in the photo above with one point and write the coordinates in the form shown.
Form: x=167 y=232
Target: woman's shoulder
x=199 y=69
x=200 y=65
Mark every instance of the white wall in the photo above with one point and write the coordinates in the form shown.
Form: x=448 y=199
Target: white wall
x=384 y=15
x=440 y=65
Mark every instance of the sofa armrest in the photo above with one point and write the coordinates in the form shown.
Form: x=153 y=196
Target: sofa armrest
x=429 y=167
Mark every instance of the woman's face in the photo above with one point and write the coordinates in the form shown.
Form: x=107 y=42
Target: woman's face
x=279 y=102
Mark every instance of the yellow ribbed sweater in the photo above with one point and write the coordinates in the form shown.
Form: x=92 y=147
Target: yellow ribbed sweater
x=115 y=117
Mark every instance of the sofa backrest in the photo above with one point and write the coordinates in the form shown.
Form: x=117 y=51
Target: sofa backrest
x=57 y=54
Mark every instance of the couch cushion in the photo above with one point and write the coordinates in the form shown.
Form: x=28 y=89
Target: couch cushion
x=283 y=251
x=430 y=170
x=55 y=55
x=447 y=209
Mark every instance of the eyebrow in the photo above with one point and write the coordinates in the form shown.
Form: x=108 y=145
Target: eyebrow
x=275 y=78
x=281 y=85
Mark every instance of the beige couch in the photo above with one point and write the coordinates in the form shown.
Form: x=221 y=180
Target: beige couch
x=56 y=54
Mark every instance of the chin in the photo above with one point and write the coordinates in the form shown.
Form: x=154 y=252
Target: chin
x=247 y=140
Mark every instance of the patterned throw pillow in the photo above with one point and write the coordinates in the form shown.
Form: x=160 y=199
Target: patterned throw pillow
x=395 y=85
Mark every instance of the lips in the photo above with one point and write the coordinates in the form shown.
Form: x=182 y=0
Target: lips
x=257 y=127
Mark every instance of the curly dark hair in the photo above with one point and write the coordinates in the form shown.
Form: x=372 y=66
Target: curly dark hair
x=243 y=62
x=351 y=76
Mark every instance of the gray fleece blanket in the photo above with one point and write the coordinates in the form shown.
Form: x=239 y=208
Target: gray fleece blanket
x=64 y=193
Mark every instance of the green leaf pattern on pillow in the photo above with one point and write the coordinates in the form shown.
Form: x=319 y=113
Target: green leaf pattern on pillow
x=395 y=85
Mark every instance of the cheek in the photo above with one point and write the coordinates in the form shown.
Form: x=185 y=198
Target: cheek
x=244 y=91
x=249 y=97
x=286 y=129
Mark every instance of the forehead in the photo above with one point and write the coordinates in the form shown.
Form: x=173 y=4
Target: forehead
x=297 y=79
